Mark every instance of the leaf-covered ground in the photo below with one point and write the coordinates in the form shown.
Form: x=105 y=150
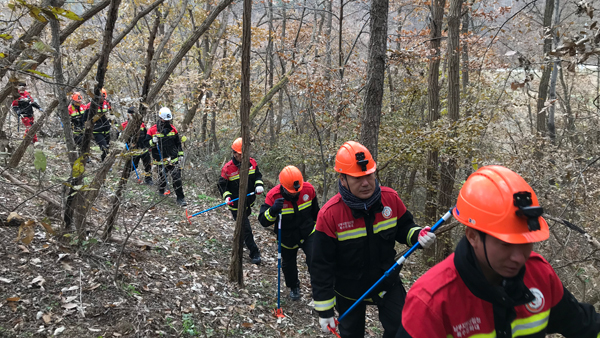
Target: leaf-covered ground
x=175 y=287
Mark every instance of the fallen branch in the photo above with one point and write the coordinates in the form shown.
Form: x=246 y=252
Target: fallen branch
x=24 y=186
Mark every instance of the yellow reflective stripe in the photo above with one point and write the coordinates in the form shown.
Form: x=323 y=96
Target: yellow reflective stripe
x=269 y=217
x=257 y=182
x=324 y=305
x=315 y=228
x=523 y=327
x=530 y=325
x=226 y=193
x=384 y=225
x=101 y=132
x=158 y=135
x=252 y=171
x=171 y=134
x=287 y=211
x=287 y=247
x=351 y=234
x=411 y=232
x=180 y=153
x=304 y=205
x=598 y=335
x=233 y=178
x=449 y=336
x=231 y=208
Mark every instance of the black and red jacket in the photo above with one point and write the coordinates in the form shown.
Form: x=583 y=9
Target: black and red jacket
x=298 y=216
x=77 y=114
x=102 y=124
x=454 y=299
x=140 y=135
x=353 y=248
x=168 y=141
x=229 y=181
x=24 y=105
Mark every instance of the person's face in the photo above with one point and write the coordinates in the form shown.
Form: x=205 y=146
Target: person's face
x=362 y=187
x=505 y=259
x=237 y=156
x=21 y=89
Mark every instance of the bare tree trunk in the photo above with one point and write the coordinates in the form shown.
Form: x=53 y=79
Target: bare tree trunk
x=465 y=50
x=189 y=117
x=553 y=78
x=433 y=96
x=283 y=64
x=60 y=90
x=213 y=128
x=83 y=200
x=371 y=116
x=235 y=268
x=543 y=89
x=271 y=70
x=116 y=199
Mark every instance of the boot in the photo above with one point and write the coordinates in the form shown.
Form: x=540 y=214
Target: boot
x=295 y=293
x=181 y=202
x=255 y=258
x=148 y=180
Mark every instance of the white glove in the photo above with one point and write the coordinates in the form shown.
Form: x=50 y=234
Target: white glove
x=426 y=237
x=259 y=190
x=325 y=322
x=155 y=139
x=228 y=200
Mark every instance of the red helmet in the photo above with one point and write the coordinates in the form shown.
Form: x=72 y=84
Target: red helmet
x=76 y=97
x=291 y=179
x=355 y=160
x=497 y=201
x=103 y=91
x=237 y=145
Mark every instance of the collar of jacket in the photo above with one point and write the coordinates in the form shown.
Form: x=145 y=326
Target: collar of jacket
x=512 y=291
x=375 y=208
x=236 y=162
x=287 y=196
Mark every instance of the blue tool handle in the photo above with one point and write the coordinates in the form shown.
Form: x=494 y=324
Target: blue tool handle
x=134 y=168
x=398 y=263
x=216 y=206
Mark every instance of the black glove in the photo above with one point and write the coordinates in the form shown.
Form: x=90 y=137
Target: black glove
x=277 y=206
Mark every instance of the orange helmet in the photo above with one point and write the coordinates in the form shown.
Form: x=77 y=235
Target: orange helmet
x=103 y=91
x=237 y=145
x=76 y=97
x=497 y=201
x=291 y=179
x=354 y=159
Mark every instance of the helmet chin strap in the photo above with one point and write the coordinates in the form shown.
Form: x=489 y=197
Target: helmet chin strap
x=483 y=239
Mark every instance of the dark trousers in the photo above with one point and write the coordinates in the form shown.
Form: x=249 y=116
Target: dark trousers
x=175 y=173
x=247 y=235
x=146 y=160
x=289 y=267
x=78 y=138
x=102 y=139
x=390 y=314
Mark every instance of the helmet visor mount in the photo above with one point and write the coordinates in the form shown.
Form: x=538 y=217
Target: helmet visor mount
x=297 y=185
x=360 y=160
x=522 y=200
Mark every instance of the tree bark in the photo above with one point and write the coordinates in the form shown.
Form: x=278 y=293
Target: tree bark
x=543 y=88
x=116 y=199
x=465 y=49
x=82 y=201
x=553 y=78
x=433 y=99
x=371 y=116
x=235 y=268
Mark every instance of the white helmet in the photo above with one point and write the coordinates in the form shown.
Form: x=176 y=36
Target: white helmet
x=165 y=114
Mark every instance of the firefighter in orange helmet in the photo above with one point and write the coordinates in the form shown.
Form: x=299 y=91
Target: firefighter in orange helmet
x=102 y=125
x=77 y=114
x=355 y=236
x=494 y=285
x=297 y=203
x=229 y=186
x=23 y=106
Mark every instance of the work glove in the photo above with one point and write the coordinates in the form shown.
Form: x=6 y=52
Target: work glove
x=155 y=139
x=426 y=237
x=180 y=161
x=277 y=206
x=325 y=322
x=228 y=201
x=259 y=189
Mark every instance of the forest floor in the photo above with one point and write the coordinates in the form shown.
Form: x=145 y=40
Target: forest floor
x=176 y=286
